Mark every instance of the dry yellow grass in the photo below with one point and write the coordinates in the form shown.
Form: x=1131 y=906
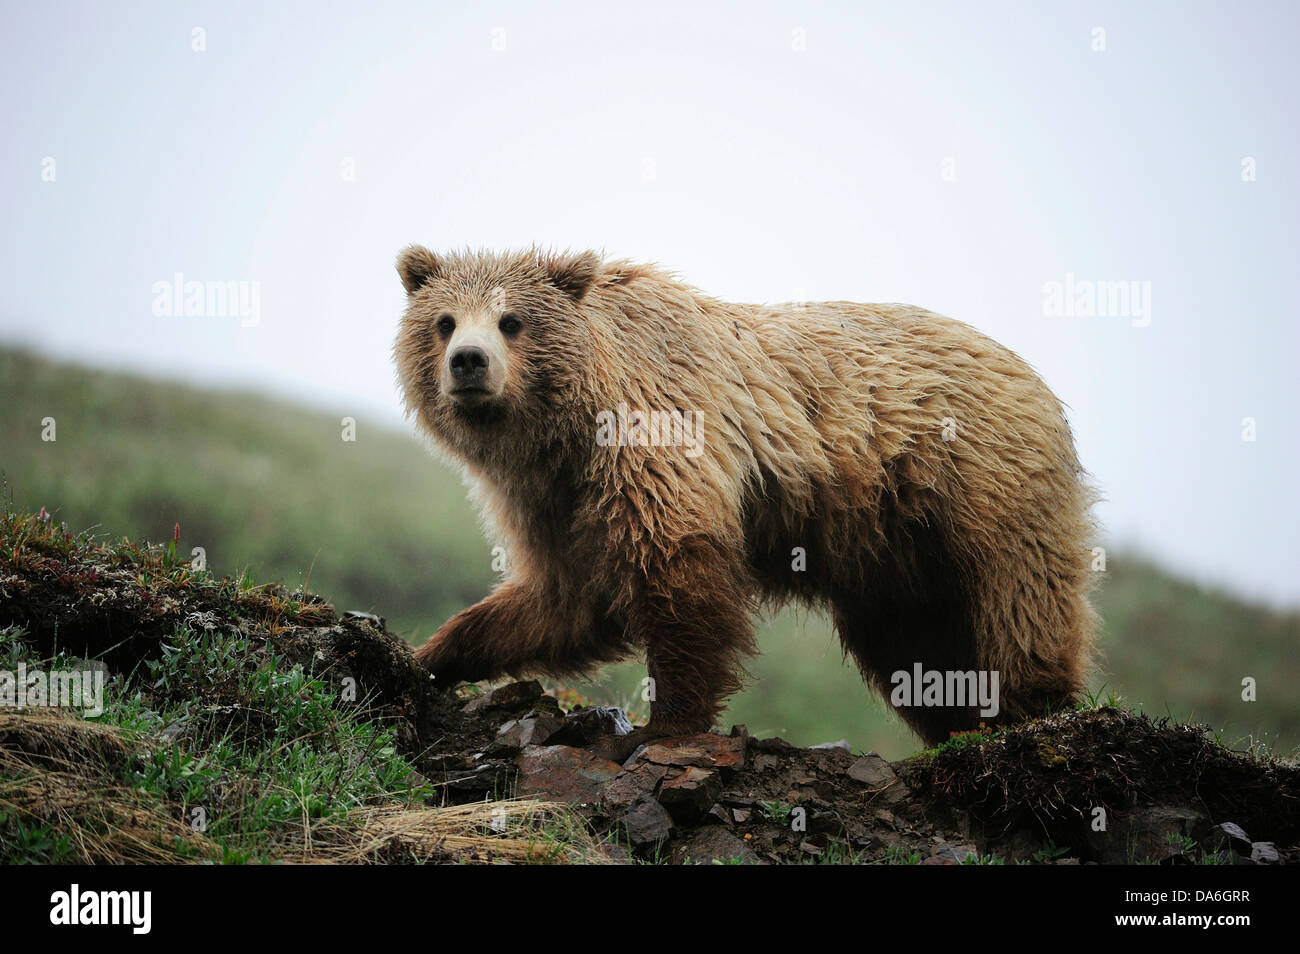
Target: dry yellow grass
x=512 y=831
x=63 y=772
x=58 y=770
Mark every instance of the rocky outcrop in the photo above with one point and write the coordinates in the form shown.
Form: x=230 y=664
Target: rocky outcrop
x=732 y=799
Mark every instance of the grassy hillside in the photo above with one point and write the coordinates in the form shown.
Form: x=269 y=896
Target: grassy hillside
x=378 y=524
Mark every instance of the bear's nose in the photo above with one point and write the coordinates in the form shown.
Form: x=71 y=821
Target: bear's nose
x=469 y=365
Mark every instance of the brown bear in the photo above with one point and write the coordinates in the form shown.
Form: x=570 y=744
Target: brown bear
x=660 y=464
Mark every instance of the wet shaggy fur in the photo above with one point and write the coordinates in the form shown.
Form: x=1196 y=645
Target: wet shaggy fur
x=823 y=428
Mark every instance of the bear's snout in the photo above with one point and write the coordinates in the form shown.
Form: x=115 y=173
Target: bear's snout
x=469 y=366
x=473 y=372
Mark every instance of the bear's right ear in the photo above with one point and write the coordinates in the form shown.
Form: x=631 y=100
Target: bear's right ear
x=572 y=274
x=416 y=265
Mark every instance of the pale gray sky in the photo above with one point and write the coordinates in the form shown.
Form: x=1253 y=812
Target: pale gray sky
x=957 y=156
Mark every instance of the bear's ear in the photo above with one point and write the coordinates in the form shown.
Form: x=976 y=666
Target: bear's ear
x=416 y=265
x=573 y=273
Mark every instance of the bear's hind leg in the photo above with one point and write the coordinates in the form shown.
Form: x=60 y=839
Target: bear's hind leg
x=912 y=612
x=1032 y=610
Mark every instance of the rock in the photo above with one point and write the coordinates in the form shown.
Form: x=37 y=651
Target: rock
x=520 y=733
x=1233 y=831
x=646 y=823
x=1264 y=853
x=873 y=771
x=766 y=763
x=565 y=774
x=877 y=774
x=721 y=814
x=713 y=845
x=584 y=726
x=841 y=744
x=1230 y=842
x=631 y=785
x=513 y=695
x=741 y=815
x=953 y=854
x=688 y=796
x=724 y=753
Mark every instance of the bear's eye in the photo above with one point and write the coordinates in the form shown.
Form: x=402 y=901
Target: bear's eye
x=446 y=325
x=510 y=325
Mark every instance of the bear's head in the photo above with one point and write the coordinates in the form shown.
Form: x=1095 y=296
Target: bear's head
x=492 y=341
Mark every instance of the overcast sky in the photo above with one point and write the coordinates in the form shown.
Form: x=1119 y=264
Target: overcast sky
x=961 y=157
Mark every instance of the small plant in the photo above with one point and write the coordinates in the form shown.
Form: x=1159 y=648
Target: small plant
x=777 y=811
x=1048 y=853
x=1182 y=844
x=22 y=843
x=898 y=855
x=1093 y=699
x=835 y=853
x=961 y=740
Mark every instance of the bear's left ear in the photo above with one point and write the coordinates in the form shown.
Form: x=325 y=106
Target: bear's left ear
x=416 y=265
x=573 y=273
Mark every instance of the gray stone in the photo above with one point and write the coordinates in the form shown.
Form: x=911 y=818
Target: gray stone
x=521 y=733
x=713 y=844
x=878 y=775
x=646 y=823
x=720 y=813
x=584 y=726
x=633 y=784
x=1264 y=853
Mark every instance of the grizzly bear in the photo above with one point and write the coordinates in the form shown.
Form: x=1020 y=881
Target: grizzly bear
x=659 y=465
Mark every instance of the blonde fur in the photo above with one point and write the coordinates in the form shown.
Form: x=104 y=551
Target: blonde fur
x=823 y=428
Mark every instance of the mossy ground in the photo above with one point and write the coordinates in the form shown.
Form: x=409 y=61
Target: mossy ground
x=239 y=724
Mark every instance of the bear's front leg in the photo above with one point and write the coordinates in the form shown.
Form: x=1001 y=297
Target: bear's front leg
x=521 y=627
x=695 y=621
